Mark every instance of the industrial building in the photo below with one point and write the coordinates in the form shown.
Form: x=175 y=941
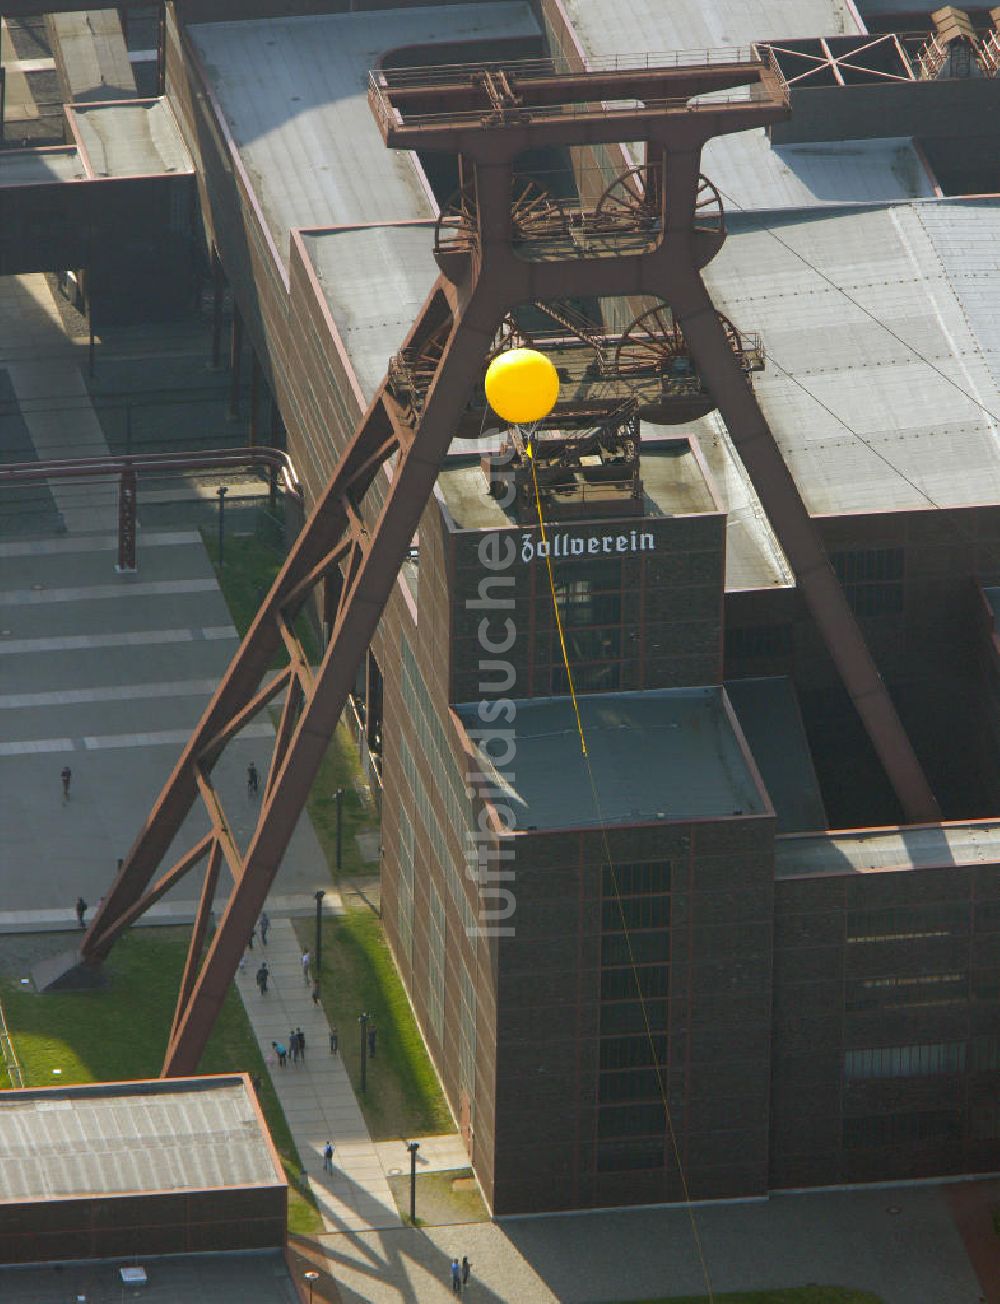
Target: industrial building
x=133 y=1170
x=730 y=926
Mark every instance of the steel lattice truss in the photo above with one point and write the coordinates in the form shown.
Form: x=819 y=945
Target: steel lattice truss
x=353 y=549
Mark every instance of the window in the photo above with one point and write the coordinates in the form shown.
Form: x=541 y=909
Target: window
x=631 y=1120
x=435 y=962
x=907 y=923
x=589 y=599
x=632 y=1052
x=467 y=1034
x=635 y=912
x=437 y=761
x=635 y=948
x=872 y=580
x=636 y=880
x=885 y=1131
x=603 y=677
x=405 y=900
x=623 y=984
x=892 y=992
x=633 y=1016
x=905 y=1061
x=637 y=1084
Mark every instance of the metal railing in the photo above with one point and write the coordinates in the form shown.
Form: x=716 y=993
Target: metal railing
x=11 y=1062
x=382 y=82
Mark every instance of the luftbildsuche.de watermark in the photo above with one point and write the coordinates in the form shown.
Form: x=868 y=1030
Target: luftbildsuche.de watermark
x=490 y=850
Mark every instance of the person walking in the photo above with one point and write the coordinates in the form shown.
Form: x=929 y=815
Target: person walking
x=253 y=780
x=334 y=1041
x=81 y=910
x=305 y=966
x=281 y=1051
x=264 y=924
x=456 y=1277
x=250 y=939
x=301 y=1038
x=466 y=1269
x=293 y=1046
x=328 y=1157
x=263 y=974
x=316 y=992
x=66 y=776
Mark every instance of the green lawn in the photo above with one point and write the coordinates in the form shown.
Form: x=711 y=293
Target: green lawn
x=341 y=768
x=796 y=1295
x=403 y=1097
x=120 y=1032
x=250 y=564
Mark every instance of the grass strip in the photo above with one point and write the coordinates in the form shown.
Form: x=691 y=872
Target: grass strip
x=402 y=1097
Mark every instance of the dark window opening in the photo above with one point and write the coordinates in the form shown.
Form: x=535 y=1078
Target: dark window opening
x=639 y=1084
x=872 y=580
x=753 y=641
x=373 y=714
x=631 y=1120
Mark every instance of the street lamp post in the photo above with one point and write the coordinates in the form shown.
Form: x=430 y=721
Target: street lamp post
x=413 y=1147
x=363 y=1020
x=222 y=491
x=320 y=894
x=340 y=837
x=311 y=1277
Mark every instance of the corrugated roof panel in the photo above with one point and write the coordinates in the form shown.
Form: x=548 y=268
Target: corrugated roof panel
x=103 y=1140
x=966 y=238
x=375 y=279
x=294 y=92
x=868 y=421
x=744 y=166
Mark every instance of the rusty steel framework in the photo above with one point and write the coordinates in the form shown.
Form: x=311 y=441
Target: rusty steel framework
x=515 y=248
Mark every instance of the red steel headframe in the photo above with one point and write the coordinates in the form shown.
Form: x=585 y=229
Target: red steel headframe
x=488 y=117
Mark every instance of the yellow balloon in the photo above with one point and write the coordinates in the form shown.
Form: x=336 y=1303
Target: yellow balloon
x=522 y=385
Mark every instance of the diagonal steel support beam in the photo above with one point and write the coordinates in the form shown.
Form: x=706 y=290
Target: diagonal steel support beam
x=159 y=889
x=799 y=537
x=197 y=943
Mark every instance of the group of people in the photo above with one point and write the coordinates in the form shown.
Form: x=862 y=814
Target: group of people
x=296 y=1048
x=460 y=1274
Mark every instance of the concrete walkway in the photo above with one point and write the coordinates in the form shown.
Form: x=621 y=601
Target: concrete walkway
x=319 y=1102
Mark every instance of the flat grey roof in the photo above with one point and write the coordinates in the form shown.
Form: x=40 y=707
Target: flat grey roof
x=769 y=716
x=256 y=1277
x=90 y=49
x=132 y=140
x=744 y=166
x=34 y=167
x=933 y=847
x=375 y=278
x=112 y=1138
x=865 y=424
x=671 y=477
x=754 y=558
x=305 y=131
x=664 y=754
